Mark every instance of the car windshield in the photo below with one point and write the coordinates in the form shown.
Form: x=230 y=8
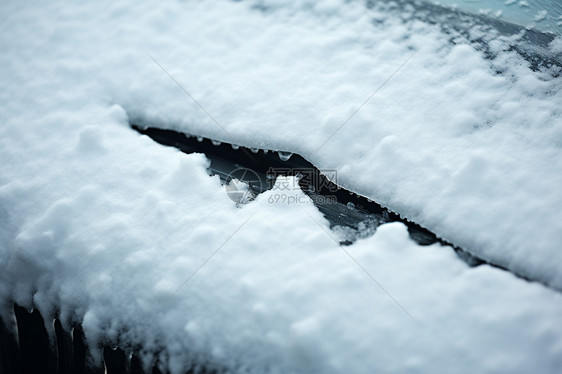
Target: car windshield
x=543 y=15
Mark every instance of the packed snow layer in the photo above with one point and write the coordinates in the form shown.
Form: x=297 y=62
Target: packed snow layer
x=111 y=229
x=105 y=225
x=468 y=147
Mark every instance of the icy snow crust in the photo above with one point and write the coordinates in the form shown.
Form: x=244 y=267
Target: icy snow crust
x=104 y=226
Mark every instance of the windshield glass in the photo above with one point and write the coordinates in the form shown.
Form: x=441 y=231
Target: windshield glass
x=543 y=15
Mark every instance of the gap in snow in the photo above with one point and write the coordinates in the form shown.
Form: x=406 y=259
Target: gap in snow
x=351 y=215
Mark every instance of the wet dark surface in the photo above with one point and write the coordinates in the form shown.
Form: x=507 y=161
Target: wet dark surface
x=35 y=353
x=66 y=353
x=9 y=361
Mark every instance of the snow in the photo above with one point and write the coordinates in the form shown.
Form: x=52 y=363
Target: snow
x=103 y=226
x=280 y=294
